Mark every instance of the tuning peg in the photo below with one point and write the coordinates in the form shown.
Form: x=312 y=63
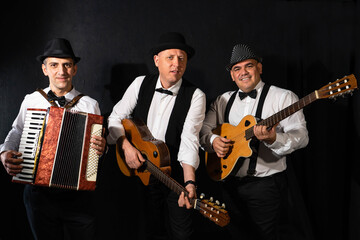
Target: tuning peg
x=211 y=199
x=349 y=93
x=223 y=205
x=202 y=195
x=217 y=202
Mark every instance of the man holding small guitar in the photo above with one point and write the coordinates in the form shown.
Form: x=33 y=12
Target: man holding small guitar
x=254 y=180
x=173 y=110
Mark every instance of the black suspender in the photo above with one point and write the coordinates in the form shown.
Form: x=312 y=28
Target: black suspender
x=261 y=101
x=255 y=142
x=228 y=106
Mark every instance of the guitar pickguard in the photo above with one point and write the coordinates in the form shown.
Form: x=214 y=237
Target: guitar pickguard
x=220 y=168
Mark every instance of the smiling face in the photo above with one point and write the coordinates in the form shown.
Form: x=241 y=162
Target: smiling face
x=246 y=74
x=171 y=64
x=60 y=72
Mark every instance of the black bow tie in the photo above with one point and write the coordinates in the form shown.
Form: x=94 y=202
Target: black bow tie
x=161 y=90
x=251 y=94
x=52 y=97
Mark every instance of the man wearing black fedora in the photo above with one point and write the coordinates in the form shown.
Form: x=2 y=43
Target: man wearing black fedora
x=52 y=212
x=253 y=190
x=173 y=109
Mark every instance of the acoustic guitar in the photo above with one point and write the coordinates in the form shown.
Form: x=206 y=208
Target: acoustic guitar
x=241 y=135
x=157 y=163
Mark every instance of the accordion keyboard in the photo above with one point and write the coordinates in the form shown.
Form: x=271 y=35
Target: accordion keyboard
x=28 y=143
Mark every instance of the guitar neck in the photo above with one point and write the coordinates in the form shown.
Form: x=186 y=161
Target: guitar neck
x=286 y=112
x=164 y=178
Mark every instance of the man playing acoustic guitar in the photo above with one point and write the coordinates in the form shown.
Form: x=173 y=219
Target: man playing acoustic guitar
x=253 y=185
x=173 y=110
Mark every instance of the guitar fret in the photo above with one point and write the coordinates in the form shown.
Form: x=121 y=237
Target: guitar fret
x=279 y=116
x=176 y=187
x=167 y=180
x=282 y=114
x=249 y=133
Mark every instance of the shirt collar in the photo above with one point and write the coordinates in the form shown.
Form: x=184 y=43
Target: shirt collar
x=69 y=96
x=258 y=86
x=174 y=89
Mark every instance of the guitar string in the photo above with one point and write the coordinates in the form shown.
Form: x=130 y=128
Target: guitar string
x=178 y=188
x=172 y=184
x=279 y=116
x=272 y=120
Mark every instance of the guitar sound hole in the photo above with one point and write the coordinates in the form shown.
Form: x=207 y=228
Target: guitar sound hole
x=225 y=166
x=155 y=154
x=247 y=123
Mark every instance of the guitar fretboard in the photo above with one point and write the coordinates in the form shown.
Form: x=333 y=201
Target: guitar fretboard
x=277 y=117
x=170 y=182
x=164 y=178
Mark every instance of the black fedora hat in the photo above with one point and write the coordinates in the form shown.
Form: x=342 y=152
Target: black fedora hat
x=240 y=53
x=172 y=40
x=59 y=48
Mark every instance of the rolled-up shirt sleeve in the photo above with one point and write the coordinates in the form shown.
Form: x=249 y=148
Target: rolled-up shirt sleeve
x=189 y=146
x=214 y=117
x=123 y=109
x=292 y=133
x=12 y=140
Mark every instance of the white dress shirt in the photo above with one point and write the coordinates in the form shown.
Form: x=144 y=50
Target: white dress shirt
x=158 y=118
x=291 y=132
x=36 y=100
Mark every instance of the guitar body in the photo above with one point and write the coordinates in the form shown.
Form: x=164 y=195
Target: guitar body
x=152 y=149
x=220 y=168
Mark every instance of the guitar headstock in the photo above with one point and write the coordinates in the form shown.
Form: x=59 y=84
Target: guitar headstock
x=213 y=211
x=340 y=87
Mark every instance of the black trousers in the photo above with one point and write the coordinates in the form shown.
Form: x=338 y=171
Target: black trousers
x=60 y=214
x=165 y=219
x=254 y=205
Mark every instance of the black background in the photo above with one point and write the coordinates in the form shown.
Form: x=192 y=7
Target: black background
x=304 y=44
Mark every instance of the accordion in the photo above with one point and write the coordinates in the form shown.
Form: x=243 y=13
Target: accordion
x=55 y=146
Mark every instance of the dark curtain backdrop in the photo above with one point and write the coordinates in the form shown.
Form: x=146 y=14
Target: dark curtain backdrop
x=305 y=45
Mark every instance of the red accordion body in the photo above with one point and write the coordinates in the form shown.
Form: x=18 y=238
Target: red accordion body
x=60 y=153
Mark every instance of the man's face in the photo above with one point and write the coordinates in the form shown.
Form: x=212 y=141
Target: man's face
x=246 y=74
x=172 y=65
x=60 y=72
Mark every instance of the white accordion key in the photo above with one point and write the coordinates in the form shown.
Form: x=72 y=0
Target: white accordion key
x=93 y=158
x=28 y=143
